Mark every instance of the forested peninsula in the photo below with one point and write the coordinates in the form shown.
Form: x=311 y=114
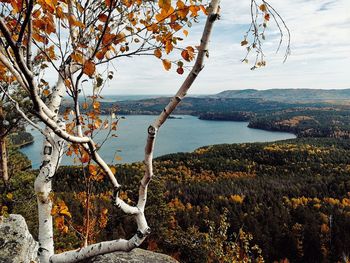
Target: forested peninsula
x=306 y=113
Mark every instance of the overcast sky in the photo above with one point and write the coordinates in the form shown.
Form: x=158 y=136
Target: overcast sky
x=320 y=56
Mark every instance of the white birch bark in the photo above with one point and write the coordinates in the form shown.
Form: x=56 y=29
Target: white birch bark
x=51 y=157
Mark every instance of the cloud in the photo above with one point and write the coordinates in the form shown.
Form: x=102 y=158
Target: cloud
x=320 y=34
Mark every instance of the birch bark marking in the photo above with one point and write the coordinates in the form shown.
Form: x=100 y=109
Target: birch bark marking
x=51 y=158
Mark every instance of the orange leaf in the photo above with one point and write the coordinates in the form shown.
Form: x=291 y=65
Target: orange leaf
x=168 y=47
x=158 y=53
x=263 y=8
x=77 y=58
x=185 y=32
x=89 y=68
x=85 y=158
x=96 y=105
x=166 y=64
x=85 y=105
x=164 y=4
x=113 y=170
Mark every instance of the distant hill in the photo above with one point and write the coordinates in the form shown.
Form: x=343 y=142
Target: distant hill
x=287 y=94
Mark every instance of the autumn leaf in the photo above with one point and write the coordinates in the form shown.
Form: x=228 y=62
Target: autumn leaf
x=194 y=10
x=244 y=42
x=96 y=105
x=180 y=71
x=263 y=8
x=166 y=64
x=85 y=105
x=85 y=157
x=164 y=4
x=89 y=68
x=73 y=21
x=267 y=17
x=46 y=92
x=185 y=32
x=188 y=54
x=77 y=58
x=158 y=53
x=168 y=47
x=103 y=18
x=182 y=9
x=113 y=170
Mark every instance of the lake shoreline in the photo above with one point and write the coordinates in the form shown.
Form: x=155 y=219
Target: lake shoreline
x=184 y=133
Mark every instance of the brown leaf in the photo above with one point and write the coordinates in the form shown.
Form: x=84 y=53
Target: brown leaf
x=164 y=4
x=166 y=64
x=158 y=53
x=244 y=42
x=263 y=8
x=89 y=68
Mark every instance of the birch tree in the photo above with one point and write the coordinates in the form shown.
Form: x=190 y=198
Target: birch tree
x=78 y=40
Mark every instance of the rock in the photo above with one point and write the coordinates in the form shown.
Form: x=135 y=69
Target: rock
x=18 y=246
x=135 y=256
x=16 y=243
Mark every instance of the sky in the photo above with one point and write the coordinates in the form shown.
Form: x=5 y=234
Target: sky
x=320 y=53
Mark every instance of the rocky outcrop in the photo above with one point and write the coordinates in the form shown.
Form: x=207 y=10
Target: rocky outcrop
x=135 y=256
x=16 y=243
x=18 y=246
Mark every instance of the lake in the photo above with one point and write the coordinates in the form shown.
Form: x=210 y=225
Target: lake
x=177 y=135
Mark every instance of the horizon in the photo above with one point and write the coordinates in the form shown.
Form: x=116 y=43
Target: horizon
x=203 y=94
x=319 y=36
x=319 y=53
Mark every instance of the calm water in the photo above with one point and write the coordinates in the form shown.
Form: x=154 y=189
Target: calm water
x=177 y=135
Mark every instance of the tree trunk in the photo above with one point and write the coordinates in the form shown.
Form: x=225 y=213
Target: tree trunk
x=3 y=161
x=3 y=154
x=51 y=157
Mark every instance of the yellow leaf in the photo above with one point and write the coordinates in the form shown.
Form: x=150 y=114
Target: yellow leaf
x=185 y=32
x=113 y=170
x=9 y=196
x=65 y=212
x=166 y=64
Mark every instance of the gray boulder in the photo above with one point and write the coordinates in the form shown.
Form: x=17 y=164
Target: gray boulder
x=135 y=256
x=18 y=246
x=16 y=243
